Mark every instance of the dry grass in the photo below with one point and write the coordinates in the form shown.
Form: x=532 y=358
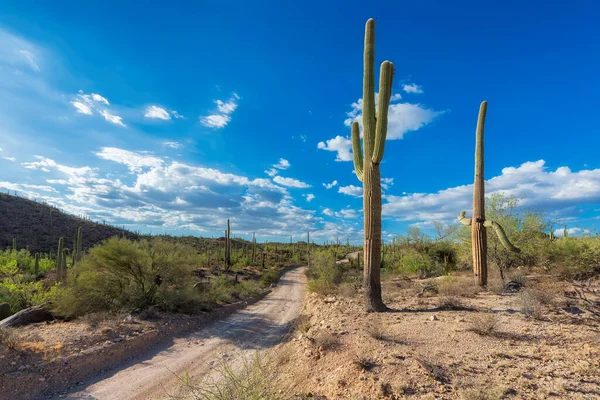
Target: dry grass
x=9 y=338
x=435 y=371
x=450 y=303
x=458 y=286
x=364 y=363
x=326 y=341
x=484 y=324
x=534 y=302
x=303 y=324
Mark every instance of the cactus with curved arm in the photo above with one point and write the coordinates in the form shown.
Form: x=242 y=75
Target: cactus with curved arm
x=367 y=166
x=477 y=222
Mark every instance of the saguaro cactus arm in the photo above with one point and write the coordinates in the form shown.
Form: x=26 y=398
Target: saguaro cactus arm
x=501 y=235
x=463 y=219
x=357 y=151
x=386 y=78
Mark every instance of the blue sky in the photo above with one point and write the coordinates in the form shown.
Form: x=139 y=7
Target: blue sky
x=173 y=119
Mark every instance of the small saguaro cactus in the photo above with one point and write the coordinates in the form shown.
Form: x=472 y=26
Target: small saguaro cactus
x=565 y=232
x=228 y=246
x=59 y=261
x=308 y=247
x=253 y=247
x=15 y=244
x=36 y=264
x=78 y=246
x=478 y=222
x=367 y=166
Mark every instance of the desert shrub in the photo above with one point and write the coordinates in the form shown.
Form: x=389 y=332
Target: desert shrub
x=269 y=277
x=248 y=378
x=450 y=303
x=8 y=338
x=485 y=324
x=575 y=258
x=457 y=286
x=534 y=302
x=242 y=261
x=245 y=289
x=326 y=341
x=303 y=324
x=324 y=274
x=21 y=293
x=124 y=274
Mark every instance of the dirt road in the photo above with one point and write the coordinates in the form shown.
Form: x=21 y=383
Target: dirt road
x=155 y=376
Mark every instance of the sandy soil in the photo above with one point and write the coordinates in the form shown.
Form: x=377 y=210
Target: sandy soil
x=418 y=350
x=157 y=375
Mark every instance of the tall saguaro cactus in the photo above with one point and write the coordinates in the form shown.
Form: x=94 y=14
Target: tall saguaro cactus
x=478 y=222
x=367 y=167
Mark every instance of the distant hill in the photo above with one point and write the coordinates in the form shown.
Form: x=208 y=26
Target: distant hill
x=38 y=226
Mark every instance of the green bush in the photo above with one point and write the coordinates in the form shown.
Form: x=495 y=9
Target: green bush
x=269 y=277
x=324 y=274
x=20 y=293
x=123 y=274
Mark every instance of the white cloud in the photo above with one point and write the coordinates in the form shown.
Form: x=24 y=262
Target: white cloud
x=45 y=164
x=86 y=104
x=412 y=88
x=310 y=197
x=330 y=185
x=99 y=99
x=556 y=192
x=176 y=115
x=271 y=172
x=13 y=159
x=341 y=145
x=387 y=182
x=133 y=160
x=115 y=119
x=215 y=121
x=221 y=118
x=290 y=182
x=303 y=138
x=282 y=164
x=30 y=58
x=351 y=190
x=402 y=117
x=346 y=213
x=157 y=113
x=173 y=144
x=82 y=108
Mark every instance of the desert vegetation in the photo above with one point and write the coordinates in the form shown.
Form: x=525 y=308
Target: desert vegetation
x=452 y=310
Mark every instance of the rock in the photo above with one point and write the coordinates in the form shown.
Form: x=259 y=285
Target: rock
x=128 y=319
x=434 y=318
x=330 y=299
x=27 y=316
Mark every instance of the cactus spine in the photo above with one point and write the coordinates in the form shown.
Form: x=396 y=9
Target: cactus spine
x=367 y=167
x=478 y=222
